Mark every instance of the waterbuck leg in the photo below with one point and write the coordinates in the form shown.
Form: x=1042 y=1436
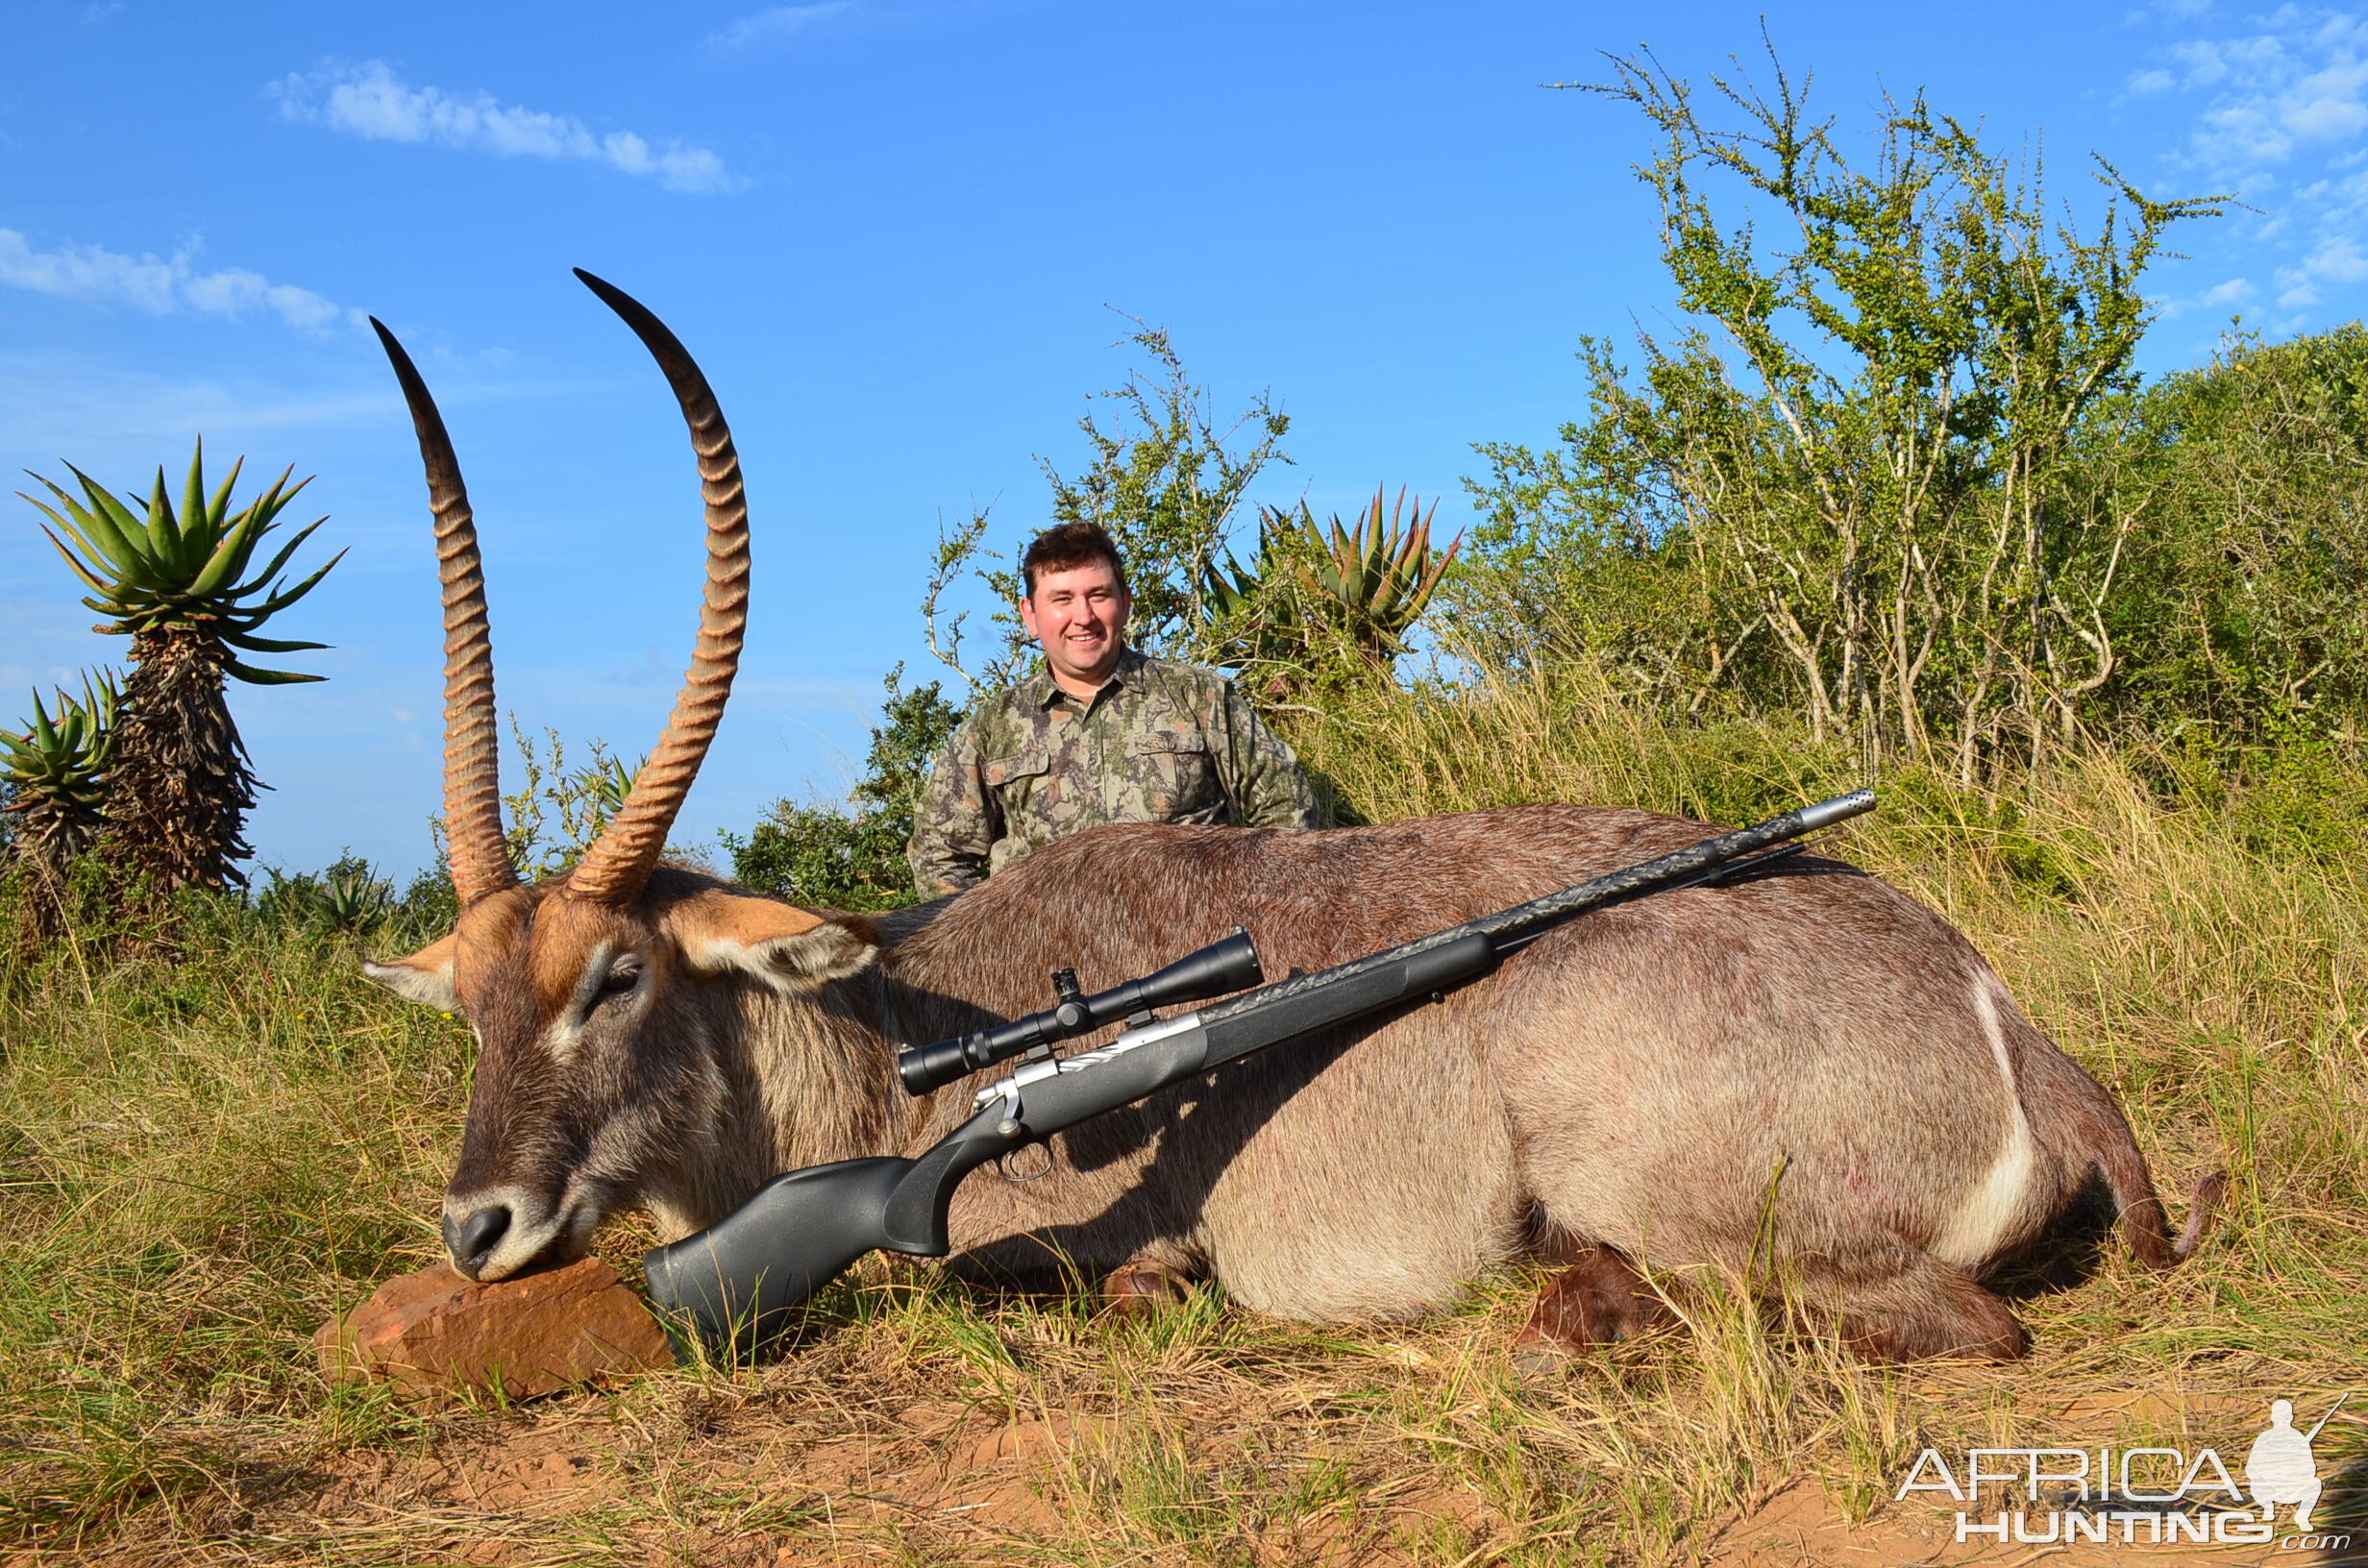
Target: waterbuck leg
x=1598 y=1299
x=1922 y=1310
x=1142 y=1286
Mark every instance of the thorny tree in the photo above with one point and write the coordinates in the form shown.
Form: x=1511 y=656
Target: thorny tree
x=1855 y=483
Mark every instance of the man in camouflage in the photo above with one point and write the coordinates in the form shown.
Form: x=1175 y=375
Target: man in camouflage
x=1098 y=734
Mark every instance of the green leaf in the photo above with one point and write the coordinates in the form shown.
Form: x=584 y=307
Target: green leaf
x=272 y=501
x=74 y=561
x=220 y=505
x=277 y=561
x=266 y=645
x=103 y=504
x=281 y=601
x=193 y=506
x=72 y=533
x=97 y=534
x=265 y=677
x=164 y=542
x=283 y=492
x=228 y=557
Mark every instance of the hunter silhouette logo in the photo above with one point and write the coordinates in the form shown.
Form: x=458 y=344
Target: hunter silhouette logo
x=2282 y=1469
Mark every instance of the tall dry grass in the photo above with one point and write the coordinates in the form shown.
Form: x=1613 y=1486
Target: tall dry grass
x=199 y=1162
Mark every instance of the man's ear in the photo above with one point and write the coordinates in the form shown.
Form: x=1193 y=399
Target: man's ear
x=787 y=948
x=424 y=978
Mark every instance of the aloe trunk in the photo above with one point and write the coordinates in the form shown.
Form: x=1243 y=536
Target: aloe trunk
x=181 y=786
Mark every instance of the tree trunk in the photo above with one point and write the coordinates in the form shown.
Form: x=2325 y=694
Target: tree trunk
x=180 y=788
x=50 y=836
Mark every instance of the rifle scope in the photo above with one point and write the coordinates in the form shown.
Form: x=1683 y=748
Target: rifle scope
x=1230 y=965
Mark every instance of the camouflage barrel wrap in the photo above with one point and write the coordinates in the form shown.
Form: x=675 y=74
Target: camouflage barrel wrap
x=1159 y=743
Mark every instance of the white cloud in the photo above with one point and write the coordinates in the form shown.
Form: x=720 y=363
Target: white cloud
x=369 y=101
x=2339 y=260
x=2222 y=299
x=2272 y=94
x=54 y=403
x=778 y=22
x=98 y=276
x=2281 y=112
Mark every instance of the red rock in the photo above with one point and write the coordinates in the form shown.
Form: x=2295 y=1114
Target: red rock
x=435 y=1335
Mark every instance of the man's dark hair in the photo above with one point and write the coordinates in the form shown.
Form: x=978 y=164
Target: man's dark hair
x=1068 y=545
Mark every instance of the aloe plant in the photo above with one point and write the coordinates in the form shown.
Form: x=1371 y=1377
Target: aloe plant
x=348 y=896
x=1314 y=592
x=1377 y=580
x=183 y=585
x=56 y=773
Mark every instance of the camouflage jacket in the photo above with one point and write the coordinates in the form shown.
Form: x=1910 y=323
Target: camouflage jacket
x=1160 y=743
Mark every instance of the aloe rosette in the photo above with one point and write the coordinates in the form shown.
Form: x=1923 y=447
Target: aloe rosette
x=55 y=772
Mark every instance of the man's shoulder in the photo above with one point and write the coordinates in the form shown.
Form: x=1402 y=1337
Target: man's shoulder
x=1200 y=680
x=995 y=717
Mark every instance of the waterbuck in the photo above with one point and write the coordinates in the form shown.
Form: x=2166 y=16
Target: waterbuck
x=1805 y=1066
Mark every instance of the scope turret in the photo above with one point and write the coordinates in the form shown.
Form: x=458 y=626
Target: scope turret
x=1230 y=965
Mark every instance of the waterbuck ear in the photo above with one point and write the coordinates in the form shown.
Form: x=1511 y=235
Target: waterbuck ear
x=424 y=978
x=783 y=946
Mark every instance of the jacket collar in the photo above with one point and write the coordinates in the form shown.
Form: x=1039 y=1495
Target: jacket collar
x=1040 y=689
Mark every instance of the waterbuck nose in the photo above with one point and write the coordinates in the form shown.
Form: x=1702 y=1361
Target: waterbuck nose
x=471 y=1239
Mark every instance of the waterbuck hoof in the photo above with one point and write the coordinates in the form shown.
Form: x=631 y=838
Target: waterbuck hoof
x=1140 y=1289
x=1599 y=1299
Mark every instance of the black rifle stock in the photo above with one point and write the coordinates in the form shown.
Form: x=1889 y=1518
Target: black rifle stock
x=731 y=1287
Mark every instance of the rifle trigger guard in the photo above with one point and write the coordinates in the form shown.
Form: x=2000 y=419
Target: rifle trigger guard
x=1002 y=1165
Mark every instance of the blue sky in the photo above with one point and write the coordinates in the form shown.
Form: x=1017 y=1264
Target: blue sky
x=893 y=232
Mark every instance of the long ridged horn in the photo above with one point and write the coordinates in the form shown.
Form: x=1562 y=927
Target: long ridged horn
x=615 y=867
x=472 y=737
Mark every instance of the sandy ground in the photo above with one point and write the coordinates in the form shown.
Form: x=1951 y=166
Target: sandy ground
x=587 y=1478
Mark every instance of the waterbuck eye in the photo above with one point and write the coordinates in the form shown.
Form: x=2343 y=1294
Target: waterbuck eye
x=623 y=976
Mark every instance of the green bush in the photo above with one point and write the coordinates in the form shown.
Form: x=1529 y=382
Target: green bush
x=826 y=858
x=2244 y=614
x=1873 y=479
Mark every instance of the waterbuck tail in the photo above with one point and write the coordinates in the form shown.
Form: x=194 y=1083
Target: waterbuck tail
x=2142 y=1219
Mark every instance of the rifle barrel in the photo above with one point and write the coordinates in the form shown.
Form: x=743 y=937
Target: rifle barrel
x=1454 y=955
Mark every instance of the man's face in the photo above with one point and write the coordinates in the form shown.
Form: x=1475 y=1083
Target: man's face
x=1077 y=616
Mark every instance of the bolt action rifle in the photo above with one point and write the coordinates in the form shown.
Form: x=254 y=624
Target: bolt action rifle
x=731 y=1288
